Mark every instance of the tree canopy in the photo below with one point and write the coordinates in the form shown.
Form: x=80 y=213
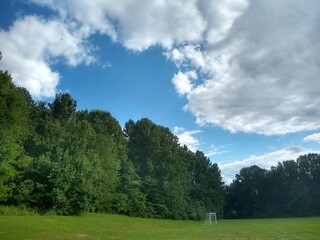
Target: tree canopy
x=292 y=188
x=54 y=158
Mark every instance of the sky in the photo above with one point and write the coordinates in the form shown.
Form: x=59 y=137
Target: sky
x=236 y=79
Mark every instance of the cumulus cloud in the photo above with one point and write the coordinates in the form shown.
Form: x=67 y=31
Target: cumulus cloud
x=313 y=137
x=138 y=24
x=257 y=61
x=187 y=138
x=220 y=17
x=183 y=82
x=261 y=67
x=32 y=45
x=263 y=76
x=229 y=170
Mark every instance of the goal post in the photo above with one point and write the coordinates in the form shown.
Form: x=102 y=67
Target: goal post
x=211 y=218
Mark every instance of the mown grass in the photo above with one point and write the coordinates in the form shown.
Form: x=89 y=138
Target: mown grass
x=99 y=226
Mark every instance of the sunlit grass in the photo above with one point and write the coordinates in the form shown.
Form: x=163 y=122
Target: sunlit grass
x=99 y=226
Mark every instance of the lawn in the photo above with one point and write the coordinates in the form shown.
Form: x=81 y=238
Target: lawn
x=99 y=226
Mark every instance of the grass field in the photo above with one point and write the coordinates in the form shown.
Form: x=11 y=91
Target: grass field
x=98 y=226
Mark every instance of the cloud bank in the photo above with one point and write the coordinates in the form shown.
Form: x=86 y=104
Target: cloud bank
x=262 y=74
x=256 y=61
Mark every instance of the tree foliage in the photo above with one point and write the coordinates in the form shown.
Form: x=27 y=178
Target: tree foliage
x=54 y=158
x=15 y=125
x=292 y=188
x=177 y=183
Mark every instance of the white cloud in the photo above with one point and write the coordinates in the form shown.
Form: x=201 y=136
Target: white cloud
x=263 y=75
x=182 y=82
x=138 y=24
x=189 y=56
x=92 y=16
x=220 y=16
x=215 y=150
x=258 y=60
x=32 y=45
x=176 y=55
x=229 y=170
x=187 y=138
x=313 y=137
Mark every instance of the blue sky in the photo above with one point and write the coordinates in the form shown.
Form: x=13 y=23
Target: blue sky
x=236 y=79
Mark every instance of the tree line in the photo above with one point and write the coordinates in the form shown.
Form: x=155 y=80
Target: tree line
x=292 y=188
x=56 y=159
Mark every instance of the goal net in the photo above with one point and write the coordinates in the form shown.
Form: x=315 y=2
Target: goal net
x=211 y=218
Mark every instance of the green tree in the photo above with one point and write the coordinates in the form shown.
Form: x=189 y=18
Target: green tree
x=177 y=183
x=245 y=195
x=207 y=185
x=289 y=189
x=15 y=104
x=110 y=147
x=133 y=200
x=62 y=166
x=63 y=107
x=152 y=150
x=309 y=175
x=53 y=158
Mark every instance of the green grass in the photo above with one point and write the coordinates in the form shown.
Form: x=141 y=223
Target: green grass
x=15 y=211
x=98 y=226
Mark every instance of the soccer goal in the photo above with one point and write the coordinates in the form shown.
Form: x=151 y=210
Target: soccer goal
x=211 y=218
